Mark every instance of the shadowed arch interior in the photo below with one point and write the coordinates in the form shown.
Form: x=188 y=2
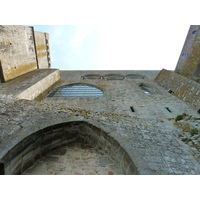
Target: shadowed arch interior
x=35 y=146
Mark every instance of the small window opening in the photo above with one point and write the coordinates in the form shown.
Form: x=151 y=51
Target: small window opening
x=170 y=91
x=132 y=109
x=198 y=111
x=194 y=32
x=185 y=55
x=2 y=171
x=145 y=90
x=168 y=109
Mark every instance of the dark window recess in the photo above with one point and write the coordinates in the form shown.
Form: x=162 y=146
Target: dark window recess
x=146 y=91
x=194 y=32
x=185 y=55
x=198 y=111
x=2 y=172
x=168 y=109
x=132 y=109
x=170 y=91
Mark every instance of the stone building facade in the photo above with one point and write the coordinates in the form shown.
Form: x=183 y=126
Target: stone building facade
x=98 y=122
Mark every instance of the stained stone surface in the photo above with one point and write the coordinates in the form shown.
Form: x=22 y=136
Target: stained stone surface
x=149 y=135
x=75 y=159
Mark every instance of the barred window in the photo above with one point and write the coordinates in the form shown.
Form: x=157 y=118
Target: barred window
x=76 y=90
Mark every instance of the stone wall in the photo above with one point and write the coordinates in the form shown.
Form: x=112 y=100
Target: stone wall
x=22 y=50
x=17 y=51
x=30 y=129
x=189 y=63
x=182 y=87
x=29 y=150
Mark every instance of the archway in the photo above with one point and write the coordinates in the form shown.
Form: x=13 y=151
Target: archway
x=43 y=142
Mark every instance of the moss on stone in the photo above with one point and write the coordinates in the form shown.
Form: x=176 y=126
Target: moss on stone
x=178 y=118
x=194 y=131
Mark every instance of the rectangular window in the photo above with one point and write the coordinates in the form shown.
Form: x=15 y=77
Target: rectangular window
x=185 y=55
x=170 y=91
x=168 y=109
x=2 y=172
x=132 y=109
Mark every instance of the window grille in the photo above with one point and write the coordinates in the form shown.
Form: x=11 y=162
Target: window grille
x=77 y=90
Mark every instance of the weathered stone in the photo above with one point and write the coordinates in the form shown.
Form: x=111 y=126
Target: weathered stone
x=136 y=131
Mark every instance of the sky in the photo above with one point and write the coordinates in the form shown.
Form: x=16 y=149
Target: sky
x=111 y=35
x=115 y=47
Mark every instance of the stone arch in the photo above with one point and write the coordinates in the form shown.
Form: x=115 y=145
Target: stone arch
x=85 y=90
x=134 y=76
x=91 y=76
x=113 y=77
x=38 y=144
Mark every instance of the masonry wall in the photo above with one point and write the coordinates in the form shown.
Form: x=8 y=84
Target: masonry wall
x=183 y=88
x=17 y=51
x=42 y=48
x=189 y=61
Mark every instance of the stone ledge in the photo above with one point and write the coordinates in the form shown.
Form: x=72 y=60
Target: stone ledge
x=30 y=85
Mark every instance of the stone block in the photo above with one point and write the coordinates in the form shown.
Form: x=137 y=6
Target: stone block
x=16 y=165
x=28 y=160
x=47 y=138
x=57 y=133
x=56 y=143
x=7 y=170
x=101 y=142
x=93 y=140
x=69 y=135
x=28 y=146
x=46 y=148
